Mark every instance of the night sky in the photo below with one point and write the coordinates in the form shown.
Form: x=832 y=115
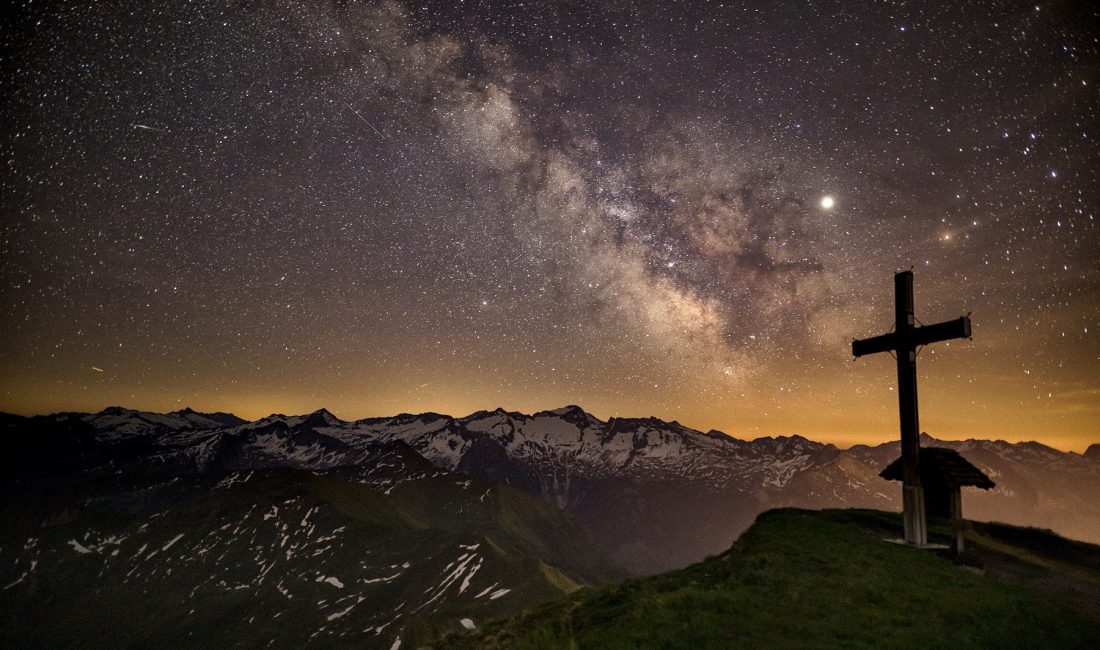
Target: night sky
x=679 y=209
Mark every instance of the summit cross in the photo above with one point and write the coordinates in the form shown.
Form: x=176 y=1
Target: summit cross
x=904 y=341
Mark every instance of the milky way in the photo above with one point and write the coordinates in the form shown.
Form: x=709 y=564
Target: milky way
x=379 y=208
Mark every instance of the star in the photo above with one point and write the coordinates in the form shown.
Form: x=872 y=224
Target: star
x=465 y=195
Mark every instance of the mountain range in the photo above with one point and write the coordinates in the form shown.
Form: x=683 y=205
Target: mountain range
x=389 y=529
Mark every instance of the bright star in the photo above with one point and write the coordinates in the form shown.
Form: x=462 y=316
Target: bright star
x=827 y=202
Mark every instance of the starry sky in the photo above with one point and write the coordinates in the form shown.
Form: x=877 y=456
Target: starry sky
x=678 y=209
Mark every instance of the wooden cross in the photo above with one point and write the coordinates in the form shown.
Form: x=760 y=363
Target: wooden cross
x=904 y=341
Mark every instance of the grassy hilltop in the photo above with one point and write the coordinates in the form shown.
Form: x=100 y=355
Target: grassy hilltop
x=826 y=579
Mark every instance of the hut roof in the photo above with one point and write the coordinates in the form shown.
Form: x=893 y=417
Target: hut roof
x=943 y=466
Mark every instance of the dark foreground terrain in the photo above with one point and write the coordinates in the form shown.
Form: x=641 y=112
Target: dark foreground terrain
x=389 y=552
x=830 y=579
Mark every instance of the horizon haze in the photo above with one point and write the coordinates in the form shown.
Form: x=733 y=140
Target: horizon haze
x=839 y=443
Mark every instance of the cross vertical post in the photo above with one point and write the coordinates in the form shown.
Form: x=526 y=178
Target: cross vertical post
x=916 y=531
x=904 y=341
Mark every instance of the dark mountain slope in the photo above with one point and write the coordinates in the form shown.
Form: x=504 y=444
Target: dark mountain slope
x=392 y=548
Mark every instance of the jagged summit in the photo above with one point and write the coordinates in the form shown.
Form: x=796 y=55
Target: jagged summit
x=322 y=417
x=116 y=410
x=573 y=414
x=793 y=442
x=427 y=416
x=498 y=412
x=273 y=418
x=208 y=420
x=570 y=410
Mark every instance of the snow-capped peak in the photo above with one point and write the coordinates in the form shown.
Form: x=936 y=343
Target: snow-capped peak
x=322 y=418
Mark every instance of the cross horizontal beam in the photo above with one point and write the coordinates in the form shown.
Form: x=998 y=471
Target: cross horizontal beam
x=882 y=343
x=952 y=329
x=914 y=337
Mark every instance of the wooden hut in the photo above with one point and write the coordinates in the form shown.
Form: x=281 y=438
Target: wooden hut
x=943 y=472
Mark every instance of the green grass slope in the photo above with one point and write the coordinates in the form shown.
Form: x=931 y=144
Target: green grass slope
x=829 y=579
